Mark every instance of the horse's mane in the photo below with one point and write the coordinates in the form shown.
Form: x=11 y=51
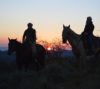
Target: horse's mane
x=73 y=33
x=16 y=42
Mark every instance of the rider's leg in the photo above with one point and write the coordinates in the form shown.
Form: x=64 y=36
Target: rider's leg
x=90 y=43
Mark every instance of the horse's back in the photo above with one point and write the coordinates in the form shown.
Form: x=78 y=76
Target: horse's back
x=96 y=41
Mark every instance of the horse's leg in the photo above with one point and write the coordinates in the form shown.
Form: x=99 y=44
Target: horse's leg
x=18 y=63
x=42 y=62
x=19 y=67
x=37 y=65
x=26 y=67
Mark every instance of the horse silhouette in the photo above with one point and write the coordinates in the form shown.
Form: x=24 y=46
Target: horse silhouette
x=75 y=39
x=24 y=57
x=78 y=46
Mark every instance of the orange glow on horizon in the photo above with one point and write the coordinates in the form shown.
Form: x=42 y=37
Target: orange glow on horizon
x=49 y=48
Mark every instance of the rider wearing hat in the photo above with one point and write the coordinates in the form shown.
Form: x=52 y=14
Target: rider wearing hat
x=29 y=37
x=29 y=34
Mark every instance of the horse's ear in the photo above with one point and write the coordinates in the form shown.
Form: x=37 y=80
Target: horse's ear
x=8 y=38
x=69 y=26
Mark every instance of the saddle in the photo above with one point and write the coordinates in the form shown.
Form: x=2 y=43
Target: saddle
x=86 y=44
x=33 y=45
x=30 y=46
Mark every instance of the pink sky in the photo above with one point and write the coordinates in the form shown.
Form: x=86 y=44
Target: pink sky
x=47 y=16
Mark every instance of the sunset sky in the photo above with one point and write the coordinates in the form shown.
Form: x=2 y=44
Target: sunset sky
x=47 y=16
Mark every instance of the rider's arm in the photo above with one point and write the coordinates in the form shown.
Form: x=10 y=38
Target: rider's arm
x=35 y=34
x=23 y=39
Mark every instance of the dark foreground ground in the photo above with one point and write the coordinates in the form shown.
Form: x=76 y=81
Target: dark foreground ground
x=59 y=73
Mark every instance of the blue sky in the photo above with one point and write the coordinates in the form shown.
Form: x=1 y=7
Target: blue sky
x=47 y=17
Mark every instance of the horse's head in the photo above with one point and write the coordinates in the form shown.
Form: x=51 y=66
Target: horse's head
x=65 y=33
x=11 y=45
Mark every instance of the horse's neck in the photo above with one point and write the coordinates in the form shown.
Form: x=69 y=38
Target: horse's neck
x=73 y=38
x=73 y=34
x=18 y=47
x=76 y=43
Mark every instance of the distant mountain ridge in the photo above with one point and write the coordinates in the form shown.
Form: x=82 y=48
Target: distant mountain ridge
x=5 y=57
x=3 y=48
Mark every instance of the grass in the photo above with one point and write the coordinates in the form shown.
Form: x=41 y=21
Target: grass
x=59 y=73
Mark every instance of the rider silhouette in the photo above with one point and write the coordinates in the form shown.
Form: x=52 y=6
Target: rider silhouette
x=88 y=33
x=29 y=34
x=29 y=37
x=89 y=27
